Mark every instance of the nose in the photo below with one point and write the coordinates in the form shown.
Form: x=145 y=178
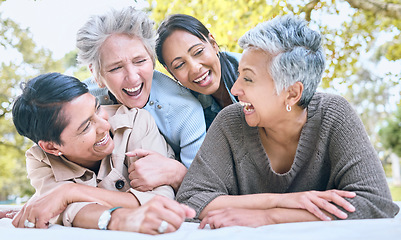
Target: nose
x=236 y=88
x=132 y=72
x=195 y=66
x=102 y=125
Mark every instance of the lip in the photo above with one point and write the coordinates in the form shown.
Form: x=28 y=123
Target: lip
x=133 y=92
x=204 y=80
x=103 y=141
x=245 y=108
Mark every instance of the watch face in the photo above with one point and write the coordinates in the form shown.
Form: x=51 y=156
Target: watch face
x=104 y=220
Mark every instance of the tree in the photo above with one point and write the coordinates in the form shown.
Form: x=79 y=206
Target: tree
x=23 y=61
x=391 y=133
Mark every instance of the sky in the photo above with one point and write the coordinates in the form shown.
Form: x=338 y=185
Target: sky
x=54 y=23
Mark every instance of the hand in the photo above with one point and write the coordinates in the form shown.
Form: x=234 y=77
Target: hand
x=236 y=217
x=39 y=210
x=8 y=213
x=316 y=201
x=148 y=217
x=152 y=170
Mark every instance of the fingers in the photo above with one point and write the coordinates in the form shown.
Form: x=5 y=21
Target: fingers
x=189 y=212
x=17 y=218
x=319 y=201
x=337 y=197
x=139 y=153
x=315 y=209
x=161 y=209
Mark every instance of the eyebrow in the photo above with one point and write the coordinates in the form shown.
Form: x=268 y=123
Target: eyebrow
x=189 y=50
x=86 y=120
x=112 y=64
x=247 y=69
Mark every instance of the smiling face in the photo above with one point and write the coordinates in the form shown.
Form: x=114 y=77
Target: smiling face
x=86 y=138
x=256 y=90
x=192 y=62
x=126 y=69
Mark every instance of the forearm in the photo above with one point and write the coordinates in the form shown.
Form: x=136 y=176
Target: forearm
x=250 y=201
x=286 y=215
x=82 y=193
x=88 y=216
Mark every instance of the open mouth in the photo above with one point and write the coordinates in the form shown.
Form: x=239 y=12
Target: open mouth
x=248 y=107
x=103 y=141
x=133 y=91
x=203 y=78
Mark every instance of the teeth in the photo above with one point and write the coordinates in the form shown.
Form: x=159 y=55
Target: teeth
x=245 y=104
x=201 y=78
x=132 y=89
x=103 y=140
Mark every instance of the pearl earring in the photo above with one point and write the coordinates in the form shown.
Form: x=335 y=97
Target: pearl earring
x=60 y=153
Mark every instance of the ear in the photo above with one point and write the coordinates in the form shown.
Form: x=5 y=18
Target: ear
x=214 y=43
x=99 y=83
x=49 y=147
x=294 y=93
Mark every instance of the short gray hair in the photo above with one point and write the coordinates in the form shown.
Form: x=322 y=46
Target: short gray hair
x=296 y=51
x=98 y=28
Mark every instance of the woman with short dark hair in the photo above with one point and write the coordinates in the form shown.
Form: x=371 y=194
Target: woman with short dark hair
x=79 y=164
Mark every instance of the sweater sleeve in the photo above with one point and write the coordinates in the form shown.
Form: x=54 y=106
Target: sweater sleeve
x=355 y=165
x=212 y=171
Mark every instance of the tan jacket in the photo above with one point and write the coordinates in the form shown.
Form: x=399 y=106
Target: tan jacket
x=131 y=129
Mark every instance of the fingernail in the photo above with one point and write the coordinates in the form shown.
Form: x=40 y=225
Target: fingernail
x=343 y=215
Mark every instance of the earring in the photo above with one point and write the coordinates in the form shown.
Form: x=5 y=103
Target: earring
x=288 y=108
x=60 y=153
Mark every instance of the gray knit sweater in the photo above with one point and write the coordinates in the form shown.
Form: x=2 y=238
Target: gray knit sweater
x=334 y=152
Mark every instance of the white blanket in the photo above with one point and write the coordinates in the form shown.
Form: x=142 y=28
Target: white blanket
x=338 y=230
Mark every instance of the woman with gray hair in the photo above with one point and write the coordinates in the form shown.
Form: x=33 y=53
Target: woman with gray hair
x=118 y=47
x=283 y=139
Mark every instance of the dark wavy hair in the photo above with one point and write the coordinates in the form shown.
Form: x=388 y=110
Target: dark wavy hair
x=195 y=27
x=37 y=112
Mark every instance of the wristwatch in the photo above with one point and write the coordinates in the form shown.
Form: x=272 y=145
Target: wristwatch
x=104 y=219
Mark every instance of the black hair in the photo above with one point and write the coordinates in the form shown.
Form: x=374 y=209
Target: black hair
x=37 y=112
x=179 y=22
x=229 y=65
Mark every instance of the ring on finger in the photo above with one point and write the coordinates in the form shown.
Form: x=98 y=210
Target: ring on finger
x=29 y=224
x=163 y=227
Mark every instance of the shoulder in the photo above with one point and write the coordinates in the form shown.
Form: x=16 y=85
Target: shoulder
x=164 y=89
x=330 y=105
x=35 y=152
x=231 y=118
x=102 y=94
x=35 y=155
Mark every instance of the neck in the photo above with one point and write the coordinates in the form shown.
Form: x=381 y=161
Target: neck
x=287 y=131
x=222 y=96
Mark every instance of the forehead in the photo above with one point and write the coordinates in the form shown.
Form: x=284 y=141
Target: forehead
x=181 y=39
x=79 y=109
x=121 y=45
x=255 y=60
